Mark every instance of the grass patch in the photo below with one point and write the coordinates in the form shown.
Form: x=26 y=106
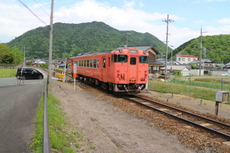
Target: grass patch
x=63 y=136
x=203 y=93
x=4 y=73
x=216 y=84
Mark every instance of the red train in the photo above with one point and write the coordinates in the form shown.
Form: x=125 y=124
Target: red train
x=120 y=70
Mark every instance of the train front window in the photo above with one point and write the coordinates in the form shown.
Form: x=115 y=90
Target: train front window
x=143 y=59
x=120 y=58
x=133 y=61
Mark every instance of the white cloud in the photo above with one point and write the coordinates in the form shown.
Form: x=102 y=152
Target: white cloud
x=224 y=21
x=200 y=22
x=126 y=18
x=16 y=19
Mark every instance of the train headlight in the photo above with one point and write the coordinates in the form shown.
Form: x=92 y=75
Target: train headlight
x=120 y=50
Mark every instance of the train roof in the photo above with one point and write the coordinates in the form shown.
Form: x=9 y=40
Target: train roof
x=92 y=53
x=144 y=48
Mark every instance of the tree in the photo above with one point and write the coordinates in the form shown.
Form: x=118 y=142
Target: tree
x=4 y=53
x=17 y=55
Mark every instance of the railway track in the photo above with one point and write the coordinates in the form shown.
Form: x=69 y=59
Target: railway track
x=216 y=128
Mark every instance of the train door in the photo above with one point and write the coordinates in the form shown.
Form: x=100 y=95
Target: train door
x=132 y=69
x=104 y=66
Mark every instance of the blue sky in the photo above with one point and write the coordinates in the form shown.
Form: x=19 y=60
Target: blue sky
x=138 y=15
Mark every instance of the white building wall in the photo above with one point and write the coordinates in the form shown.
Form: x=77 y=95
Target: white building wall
x=196 y=72
x=184 y=60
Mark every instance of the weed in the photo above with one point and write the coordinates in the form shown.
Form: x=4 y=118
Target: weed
x=61 y=133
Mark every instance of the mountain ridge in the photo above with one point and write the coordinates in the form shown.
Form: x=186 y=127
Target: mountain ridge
x=69 y=38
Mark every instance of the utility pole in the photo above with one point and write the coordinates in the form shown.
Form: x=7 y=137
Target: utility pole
x=166 y=56
x=127 y=38
x=201 y=49
x=171 y=56
x=24 y=61
x=51 y=42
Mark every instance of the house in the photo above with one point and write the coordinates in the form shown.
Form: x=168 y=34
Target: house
x=206 y=64
x=185 y=59
x=184 y=69
x=227 y=66
x=154 y=65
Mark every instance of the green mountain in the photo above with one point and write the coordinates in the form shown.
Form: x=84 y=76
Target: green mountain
x=217 y=48
x=79 y=38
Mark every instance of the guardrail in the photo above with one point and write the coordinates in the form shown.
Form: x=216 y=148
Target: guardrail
x=46 y=142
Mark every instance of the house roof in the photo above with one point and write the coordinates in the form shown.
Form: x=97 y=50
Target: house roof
x=192 y=56
x=205 y=60
x=174 y=67
x=156 y=63
x=144 y=48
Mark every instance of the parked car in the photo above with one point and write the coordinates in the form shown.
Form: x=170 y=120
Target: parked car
x=28 y=73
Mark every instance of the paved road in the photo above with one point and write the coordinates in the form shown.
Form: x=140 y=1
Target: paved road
x=18 y=104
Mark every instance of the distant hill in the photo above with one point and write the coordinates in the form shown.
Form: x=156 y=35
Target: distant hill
x=217 y=48
x=79 y=38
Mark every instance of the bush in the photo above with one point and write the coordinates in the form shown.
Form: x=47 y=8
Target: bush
x=177 y=73
x=45 y=65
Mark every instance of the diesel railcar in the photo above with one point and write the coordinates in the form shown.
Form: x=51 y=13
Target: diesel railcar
x=120 y=70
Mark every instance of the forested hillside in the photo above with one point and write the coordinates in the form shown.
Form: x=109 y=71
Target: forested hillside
x=79 y=38
x=217 y=48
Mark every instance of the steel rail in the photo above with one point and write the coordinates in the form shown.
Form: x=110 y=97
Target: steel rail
x=193 y=114
x=222 y=135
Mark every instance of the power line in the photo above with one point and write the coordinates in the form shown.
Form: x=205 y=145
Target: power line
x=41 y=7
x=31 y=11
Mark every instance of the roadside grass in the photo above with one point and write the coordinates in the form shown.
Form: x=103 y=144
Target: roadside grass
x=4 y=73
x=196 y=92
x=63 y=136
x=216 y=84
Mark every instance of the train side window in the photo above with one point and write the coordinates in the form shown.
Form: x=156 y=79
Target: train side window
x=87 y=63
x=133 y=61
x=98 y=63
x=91 y=63
x=104 y=62
x=94 y=63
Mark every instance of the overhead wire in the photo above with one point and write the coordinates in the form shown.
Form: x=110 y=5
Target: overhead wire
x=31 y=11
x=41 y=8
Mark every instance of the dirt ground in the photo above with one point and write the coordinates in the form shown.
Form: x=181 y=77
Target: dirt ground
x=112 y=130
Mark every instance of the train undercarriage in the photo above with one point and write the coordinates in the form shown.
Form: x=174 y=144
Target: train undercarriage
x=118 y=88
